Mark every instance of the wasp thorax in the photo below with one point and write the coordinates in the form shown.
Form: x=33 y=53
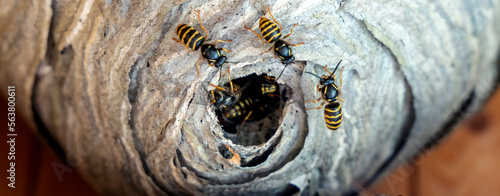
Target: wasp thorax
x=283 y=51
x=331 y=93
x=213 y=55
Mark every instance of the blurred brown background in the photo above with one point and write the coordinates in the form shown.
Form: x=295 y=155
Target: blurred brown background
x=34 y=159
x=466 y=163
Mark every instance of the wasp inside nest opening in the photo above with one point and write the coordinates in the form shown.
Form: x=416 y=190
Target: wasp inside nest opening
x=248 y=108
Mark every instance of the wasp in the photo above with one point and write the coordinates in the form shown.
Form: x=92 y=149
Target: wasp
x=241 y=110
x=269 y=86
x=225 y=97
x=272 y=33
x=260 y=99
x=230 y=105
x=193 y=39
x=270 y=94
x=222 y=97
x=257 y=97
x=329 y=94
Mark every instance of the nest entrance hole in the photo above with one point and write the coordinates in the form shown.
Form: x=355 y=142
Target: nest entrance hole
x=266 y=111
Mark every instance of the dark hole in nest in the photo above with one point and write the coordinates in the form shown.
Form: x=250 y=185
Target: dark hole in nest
x=255 y=117
x=258 y=159
x=290 y=189
x=225 y=152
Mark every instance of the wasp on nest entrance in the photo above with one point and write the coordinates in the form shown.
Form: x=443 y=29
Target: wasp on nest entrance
x=248 y=108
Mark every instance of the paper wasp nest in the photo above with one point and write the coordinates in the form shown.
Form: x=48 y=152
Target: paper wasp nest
x=124 y=102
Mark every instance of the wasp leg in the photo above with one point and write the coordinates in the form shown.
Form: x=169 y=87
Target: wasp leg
x=198 y=64
x=243 y=123
x=225 y=50
x=327 y=70
x=291 y=31
x=341 y=71
x=296 y=44
x=256 y=34
x=215 y=43
x=319 y=107
x=268 y=51
x=312 y=101
x=187 y=48
x=206 y=33
x=269 y=9
x=217 y=87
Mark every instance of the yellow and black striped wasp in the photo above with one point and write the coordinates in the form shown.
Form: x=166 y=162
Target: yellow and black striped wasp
x=270 y=95
x=329 y=94
x=258 y=97
x=228 y=101
x=192 y=40
x=225 y=97
x=272 y=33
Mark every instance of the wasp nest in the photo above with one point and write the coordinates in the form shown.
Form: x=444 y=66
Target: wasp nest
x=125 y=106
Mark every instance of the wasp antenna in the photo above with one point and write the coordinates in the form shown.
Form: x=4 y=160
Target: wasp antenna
x=204 y=87
x=282 y=72
x=335 y=69
x=313 y=74
x=206 y=90
x=336 y=66
x=230 y=81
x=220 y=73
x=243 y=87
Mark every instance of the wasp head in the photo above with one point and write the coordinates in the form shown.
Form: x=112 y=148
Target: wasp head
x=220 y=61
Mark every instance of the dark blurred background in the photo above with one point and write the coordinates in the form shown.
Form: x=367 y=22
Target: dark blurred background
x=466 y=163
x=35 y=174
